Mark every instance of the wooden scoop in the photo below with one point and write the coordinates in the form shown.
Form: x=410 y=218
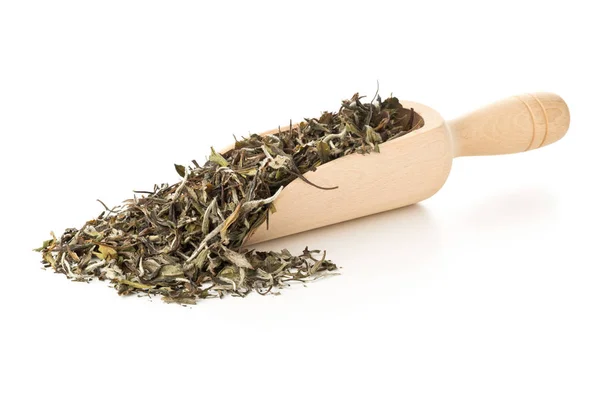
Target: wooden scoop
x=413 y=167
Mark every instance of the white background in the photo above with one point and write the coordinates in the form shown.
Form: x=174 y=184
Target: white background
x=488 y=290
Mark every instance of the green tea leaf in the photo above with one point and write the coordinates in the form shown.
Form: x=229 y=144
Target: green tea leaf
x=180 y=170
x=324 y=151
x=46 y=244
x=217 y=158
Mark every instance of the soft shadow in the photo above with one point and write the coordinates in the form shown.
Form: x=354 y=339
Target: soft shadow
x=525 y=206
x=405 y=236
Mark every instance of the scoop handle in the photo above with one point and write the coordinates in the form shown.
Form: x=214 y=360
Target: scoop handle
x=516 y=124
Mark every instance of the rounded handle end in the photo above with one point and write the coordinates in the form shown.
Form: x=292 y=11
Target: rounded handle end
x=551 y=115
x=516 y=124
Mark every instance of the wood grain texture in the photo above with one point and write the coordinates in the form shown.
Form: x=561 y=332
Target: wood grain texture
x=406 y=171
x=415 y=166
x=513 y=125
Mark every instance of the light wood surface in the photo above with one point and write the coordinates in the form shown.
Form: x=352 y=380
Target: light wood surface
x=513 y=125
x=413 y=167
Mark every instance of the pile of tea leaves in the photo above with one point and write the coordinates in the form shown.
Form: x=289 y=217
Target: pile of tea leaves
x=184 y=241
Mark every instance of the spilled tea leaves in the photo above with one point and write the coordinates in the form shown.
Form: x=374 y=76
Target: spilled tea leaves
x=185 y=241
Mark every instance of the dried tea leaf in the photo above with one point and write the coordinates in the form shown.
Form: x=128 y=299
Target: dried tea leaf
x=278 y=162
x=47 y=243
x=136 y=285
x=106 y=252
x=199 y=261
x=180 y=170
x=324 y=151
x=170 y=271
x=230 y=220
x=236 y=258
x=373 y=138
x=50 y=260
x=217 y=158
x=234 y=276
x=184 y=241
x=318 y=264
